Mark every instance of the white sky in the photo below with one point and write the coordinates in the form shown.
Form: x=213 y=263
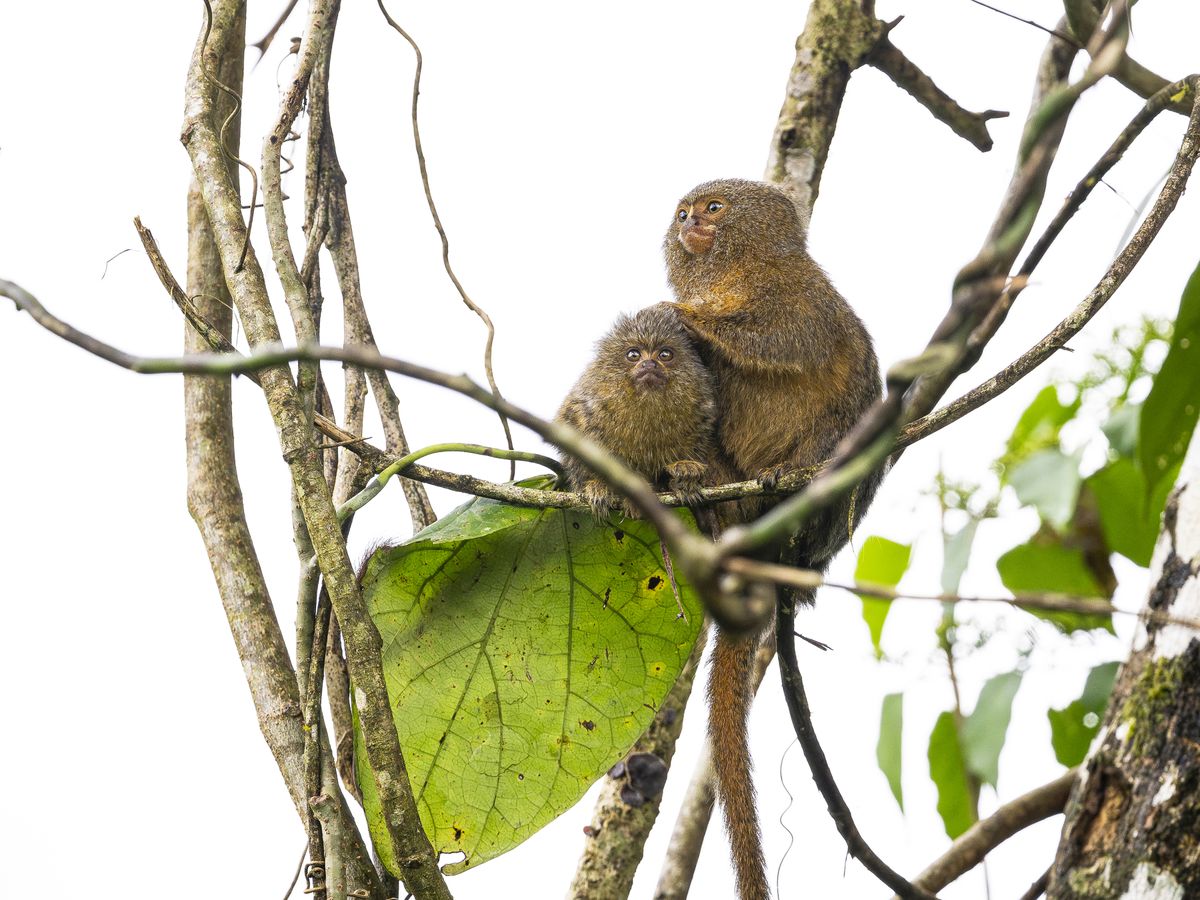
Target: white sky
x=558 y=139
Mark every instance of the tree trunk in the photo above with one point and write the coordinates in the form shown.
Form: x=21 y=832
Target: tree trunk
x=1133 y=821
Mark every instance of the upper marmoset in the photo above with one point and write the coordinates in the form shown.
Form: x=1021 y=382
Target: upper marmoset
x=793 y=365
x=648 y=398
x=794 y=371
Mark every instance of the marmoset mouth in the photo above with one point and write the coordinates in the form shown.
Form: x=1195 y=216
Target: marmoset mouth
x=649 y=377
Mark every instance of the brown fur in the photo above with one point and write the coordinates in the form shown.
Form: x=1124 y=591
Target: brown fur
x=662 y=426
x=794 y=370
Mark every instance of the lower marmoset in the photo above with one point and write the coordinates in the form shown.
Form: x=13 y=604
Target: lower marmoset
x=647 y=397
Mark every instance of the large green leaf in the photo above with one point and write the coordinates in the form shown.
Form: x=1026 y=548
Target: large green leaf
x=1129 y=519
x=1048 y=480
x=1073 y=727
x=525 y=651
x=881 y=562
x=1036 y=568
x=955 y=803
x=984 y=730
x=1038 y=427
x=888 y=749
x=1170 y=411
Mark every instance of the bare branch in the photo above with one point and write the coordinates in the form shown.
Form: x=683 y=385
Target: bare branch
x=972 y=126
x=1146 y=232
x=969 y=848
x=797 y=702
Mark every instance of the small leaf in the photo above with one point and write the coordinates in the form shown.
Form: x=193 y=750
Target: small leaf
x=984 y=731
x=1129 y=520
x=1170 y=411
x=881 y=562
x=1038 y=427
x=1035 y=568
x=888 y=749
x=956 y=553
x=946 y=767
x=1048 y=481
x=1121 y=429
x=525 y=651
x=1073 y=727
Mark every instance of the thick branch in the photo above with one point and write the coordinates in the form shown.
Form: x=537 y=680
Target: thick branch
x=362 y=640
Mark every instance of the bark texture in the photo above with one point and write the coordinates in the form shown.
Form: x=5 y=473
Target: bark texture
x=1133 y=821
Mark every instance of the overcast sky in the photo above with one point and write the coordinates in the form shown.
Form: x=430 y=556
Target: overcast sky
x=558 y=138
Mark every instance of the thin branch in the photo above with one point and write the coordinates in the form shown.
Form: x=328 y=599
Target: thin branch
x=969 y=848
x=437 y=222
x=810 y=579
x=1038 y=888
x=972 y=126
x=264 y=42
x=1061 y=34
x=1057 y=338
x=797 y=702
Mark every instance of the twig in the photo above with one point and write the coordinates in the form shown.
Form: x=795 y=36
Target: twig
x=214 y=496
x=1171 y=191
x=1058 y=33
x=972 y=126
x=437 y=222
x=296 y=875
x=377 y=483
x=797 y=702
x=976 y=842
x=264 y=42
x=1039 y=886
x=809 y=579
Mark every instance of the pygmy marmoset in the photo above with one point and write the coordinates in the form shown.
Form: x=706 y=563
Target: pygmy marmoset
x=648 y=398
x=794 y=371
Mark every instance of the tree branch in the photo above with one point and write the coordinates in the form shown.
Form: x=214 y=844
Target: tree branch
x=245 y=279
x=1132 y=253
x=797 y=702
x=971 y=126
x=969 y=848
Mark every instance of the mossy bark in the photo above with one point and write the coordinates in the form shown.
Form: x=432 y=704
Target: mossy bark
x=1133 y=821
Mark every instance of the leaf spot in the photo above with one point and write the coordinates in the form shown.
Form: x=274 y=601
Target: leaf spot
x=653 y=583
x=588 y=725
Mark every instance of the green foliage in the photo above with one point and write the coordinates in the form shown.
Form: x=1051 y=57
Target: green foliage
x=1121 y=429
x=1129 y=519
x=1039 y=568
x=525 y=651
x=1038 y=428
x=1170 y=411
x=1073 y=727
x=881 y=562
x=888 y=749
x=1048 y=480
x=947 y=768
x=984 y=730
